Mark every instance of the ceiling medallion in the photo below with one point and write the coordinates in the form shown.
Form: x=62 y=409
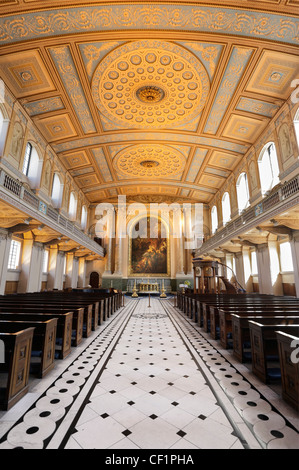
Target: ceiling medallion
x=150 y=84
x=149 y=161
x=150 y=94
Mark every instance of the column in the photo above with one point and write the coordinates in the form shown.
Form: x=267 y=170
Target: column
x=72 y=270
x=264 y=270
x=109 y=240
x=240 y=268
x=31 y=266
x=276 y=278
x=179 y=233
x=188 y=239
x=5 y=241
x=119 y=239
x=81 y=272
x=56 y=273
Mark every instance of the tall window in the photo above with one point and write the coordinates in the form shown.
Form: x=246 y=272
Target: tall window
x=3 y=127
x=14 y=255
x=242 y=192
x=226 y=211
x=214 y=219
x=286 y=261
x=32 y=165
x=253 y=263
x=1 y=121
x=45 y=261
x=64 y=264
x=268 y=168
x=296 y=124
x=83 y=217
x=56 y=193
x=27 y=157
x=73 y=206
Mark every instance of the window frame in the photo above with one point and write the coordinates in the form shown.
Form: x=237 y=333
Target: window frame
x=275 y=177
x=247 y=204
x=225 y=221
x=214 y=229
x=27 y=158
x=283 y=271
x=16 y=256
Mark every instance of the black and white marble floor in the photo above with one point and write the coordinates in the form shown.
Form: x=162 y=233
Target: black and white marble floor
x=149 y=378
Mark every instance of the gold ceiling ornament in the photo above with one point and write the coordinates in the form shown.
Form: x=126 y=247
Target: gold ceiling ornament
x=150 y=94
x=149 y=161
x=150 y=84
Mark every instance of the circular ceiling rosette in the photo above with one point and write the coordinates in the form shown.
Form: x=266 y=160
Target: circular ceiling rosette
x=149 y=161
x=150 y=84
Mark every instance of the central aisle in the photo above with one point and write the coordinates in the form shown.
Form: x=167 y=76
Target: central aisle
x=151 y=394
x=147 y=379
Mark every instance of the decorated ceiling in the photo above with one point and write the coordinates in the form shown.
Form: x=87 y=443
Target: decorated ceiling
x=150 y=99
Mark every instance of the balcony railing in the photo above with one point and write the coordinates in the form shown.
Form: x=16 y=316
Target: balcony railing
x=253 y=214
x=17 y=189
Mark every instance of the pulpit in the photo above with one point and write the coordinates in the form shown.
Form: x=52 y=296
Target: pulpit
x=209 y=280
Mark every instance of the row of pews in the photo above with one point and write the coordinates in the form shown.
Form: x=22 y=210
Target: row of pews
x=259 y=329
x=38 y=328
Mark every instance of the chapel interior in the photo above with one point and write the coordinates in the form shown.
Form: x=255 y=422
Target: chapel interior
x=149 y=173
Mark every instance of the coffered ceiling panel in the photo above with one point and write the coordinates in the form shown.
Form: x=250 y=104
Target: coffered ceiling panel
x=153 y=99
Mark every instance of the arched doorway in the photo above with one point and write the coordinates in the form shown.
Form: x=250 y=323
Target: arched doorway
x=94 y=279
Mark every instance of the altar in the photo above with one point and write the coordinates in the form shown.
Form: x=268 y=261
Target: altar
x=148 y=287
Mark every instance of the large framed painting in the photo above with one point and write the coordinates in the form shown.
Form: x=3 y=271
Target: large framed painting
x=149 y=256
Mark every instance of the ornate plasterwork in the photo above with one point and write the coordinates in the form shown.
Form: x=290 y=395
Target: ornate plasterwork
x=239 y=22
x=122 y=82
x=149 y=161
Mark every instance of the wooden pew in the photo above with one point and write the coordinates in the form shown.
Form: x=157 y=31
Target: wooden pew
x=264 y=348
x=63 y=332
x=14 y=372
x=273 y=309
x=211 y=311
x=44 y=338
x=225 y=320
x=55 y=307
x=241 y=334
x=289 y=368
x=77 y=318
x=91 y=310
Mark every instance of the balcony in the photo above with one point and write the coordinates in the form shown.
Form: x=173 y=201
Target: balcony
x=16 y=194
x=283 y=198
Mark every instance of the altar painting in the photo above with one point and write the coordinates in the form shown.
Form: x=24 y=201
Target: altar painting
x=149 y=256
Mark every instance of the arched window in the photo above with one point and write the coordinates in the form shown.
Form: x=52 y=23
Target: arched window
x=83 y=217
x=73 y=206
x=268 y=167
x=296 y=125
x=27 y=158
x=226 y=211
x=242 y=192
x=32 y=165
x=3 y=126
x=56 y=193
x=214 y=219
x=1 y=121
